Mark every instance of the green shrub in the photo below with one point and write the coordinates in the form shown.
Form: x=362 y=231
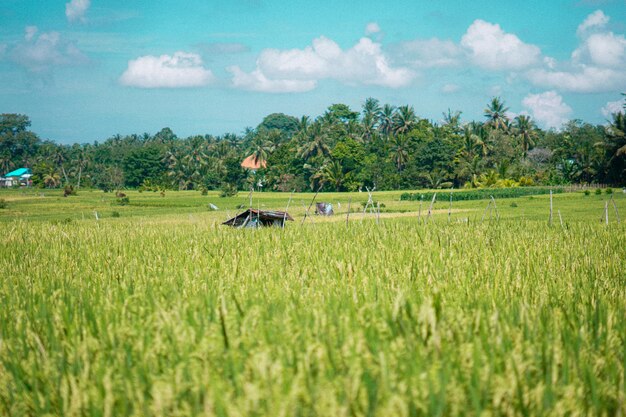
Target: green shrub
x=3 y=203
x=587 y=192
x=122 y=201
x=598 y=191
x=483 y=193
x=514 y=204
x=115 y=214
x=228 y=190
x=609 y=191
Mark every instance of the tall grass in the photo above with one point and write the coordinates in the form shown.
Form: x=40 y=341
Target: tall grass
x=152 y=319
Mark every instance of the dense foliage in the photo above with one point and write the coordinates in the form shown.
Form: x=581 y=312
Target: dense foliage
x=383 y=146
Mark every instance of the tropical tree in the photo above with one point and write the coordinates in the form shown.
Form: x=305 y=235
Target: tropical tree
x=496 y=114
x=315 y=143
x=525 y=131
x=399 y=150
x=385 y=120
x=404 y=120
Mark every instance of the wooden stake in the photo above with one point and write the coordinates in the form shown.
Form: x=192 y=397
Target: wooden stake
x=560 y=218
x=430 y=208
x=306 y=213
x=348 y=213
x=495 y=208
x=615 y=207
x=550 y=218
x=485 y=212
x=419 y=214
x=606 y=213
x=288 y=202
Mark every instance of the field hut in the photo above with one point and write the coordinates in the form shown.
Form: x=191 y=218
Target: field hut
x=253 y=164
x=20 y=176
x=259 y=218
x=324 y=209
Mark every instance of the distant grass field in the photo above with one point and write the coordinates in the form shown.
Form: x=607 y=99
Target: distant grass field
x=163 y=312
x=50 y=205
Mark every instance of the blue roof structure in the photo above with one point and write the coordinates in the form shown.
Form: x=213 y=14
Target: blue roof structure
x=19 y=172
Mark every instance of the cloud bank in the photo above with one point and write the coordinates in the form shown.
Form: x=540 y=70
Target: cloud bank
x=180 y=70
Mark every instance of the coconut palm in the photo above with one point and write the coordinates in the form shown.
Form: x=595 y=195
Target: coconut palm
x=399 y=150
x=385 y=119
x=525 y=130
x=315 y=145
x=496 y=114
x=332 y=173
x=404 y=120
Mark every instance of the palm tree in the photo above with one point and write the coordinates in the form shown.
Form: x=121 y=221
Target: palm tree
x=332 y=173
x=525 y=129
x=385 y=119
x=404 y=120
x=371 y=107
x=315 y=145
x=400 y=150
x=260 y=148
x=452 y=120
x=496 y=114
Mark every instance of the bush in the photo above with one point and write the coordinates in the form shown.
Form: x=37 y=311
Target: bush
x=587 y=192
x=3 y=203
x=69 y=190
x=514 y=204
x=482 y=193
x=115 y=214
x=609 y=191
x=228 y=190
x=122 y=201
x=598 y=191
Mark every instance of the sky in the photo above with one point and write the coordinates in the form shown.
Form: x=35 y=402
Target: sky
x=85 y=70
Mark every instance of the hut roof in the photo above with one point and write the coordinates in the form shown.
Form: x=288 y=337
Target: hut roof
x=262 y=215
x=18 y=172
x=250 y=163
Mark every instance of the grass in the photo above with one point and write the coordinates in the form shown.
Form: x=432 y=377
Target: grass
x=162 y=312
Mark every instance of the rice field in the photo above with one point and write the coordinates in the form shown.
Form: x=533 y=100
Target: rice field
x=164 y=312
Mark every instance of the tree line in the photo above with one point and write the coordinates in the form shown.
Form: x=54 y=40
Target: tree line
x=381 y=146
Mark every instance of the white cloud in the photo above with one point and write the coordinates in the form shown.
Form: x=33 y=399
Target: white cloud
x=372 y=28
x=450 y=88
x=364 y=63
x=602 y=49
x=257 y=81
x=492 y=48
x=584 y=80
x=427 y=53
x=75 y=10
x=596 y=19
x=39 y=52
x=613 y=107
x=547 y=108
x=183 y=69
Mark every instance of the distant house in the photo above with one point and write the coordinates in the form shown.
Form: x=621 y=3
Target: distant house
x=259 y=218
x=251 y=163
x=20 y=176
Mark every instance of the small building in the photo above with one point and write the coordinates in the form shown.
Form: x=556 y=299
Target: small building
x=20 y=176
x=324 y=209
x=259 y=218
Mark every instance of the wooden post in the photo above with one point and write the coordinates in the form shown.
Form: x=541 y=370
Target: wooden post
x=430 y=208
x=615 y=207
x=306 y=213
x=495 y=208
x=288 y=202
x=560 y=218
x=550 y=218
x=485 y=212
x=606 y=212
x=377 y=212
x=348 y=213
x=419 y=214
x=250 y=197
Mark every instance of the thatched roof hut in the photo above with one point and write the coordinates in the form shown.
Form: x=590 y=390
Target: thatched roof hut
x=259 y=218
x=252 y=163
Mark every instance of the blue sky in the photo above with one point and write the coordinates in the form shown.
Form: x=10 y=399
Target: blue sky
x=84 y=70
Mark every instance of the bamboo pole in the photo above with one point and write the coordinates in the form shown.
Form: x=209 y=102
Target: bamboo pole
x=485 y=212
x=615 y=207
x=348 y=213
x=306 y=213
x=430 y=208
x=550 y=218
x=606 y=212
